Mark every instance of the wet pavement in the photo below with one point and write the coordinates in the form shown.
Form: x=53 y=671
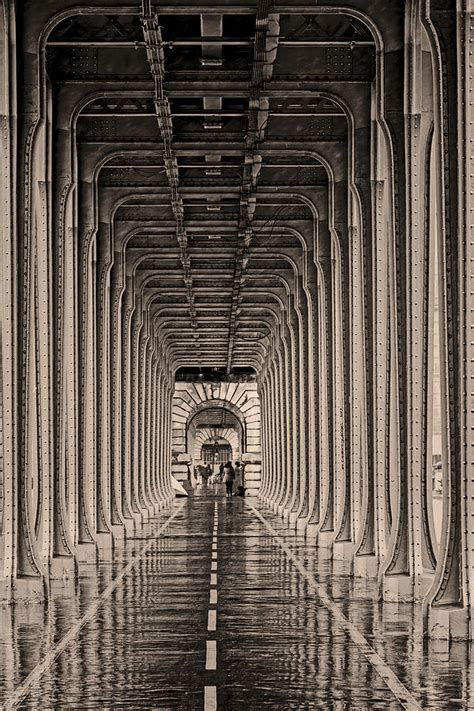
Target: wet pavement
x=221 y=609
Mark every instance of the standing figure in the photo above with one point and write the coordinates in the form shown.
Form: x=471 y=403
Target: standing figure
x=239 y=475
x=229 y=476
x=202 y=472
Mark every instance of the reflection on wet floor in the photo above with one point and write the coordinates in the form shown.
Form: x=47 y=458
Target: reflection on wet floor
x=277 y=645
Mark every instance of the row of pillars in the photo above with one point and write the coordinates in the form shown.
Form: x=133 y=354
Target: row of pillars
x=347 y=387
x=86 y=389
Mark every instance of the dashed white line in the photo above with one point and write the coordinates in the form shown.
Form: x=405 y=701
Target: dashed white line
x=210 y=698
x=212 y=620
x=211 y=655
x=210 y=692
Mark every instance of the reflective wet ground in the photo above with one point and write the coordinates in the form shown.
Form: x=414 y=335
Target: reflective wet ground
x=150 y=642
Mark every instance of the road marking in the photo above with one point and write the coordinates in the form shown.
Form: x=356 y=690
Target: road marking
x=213 y=597
x=214 y=546
x=214 y=565
x=390 y=678
x=214 y=555
x=211 y=655
x=35 y=675
x=210 y=698
x=213 y=579
x=212 y=620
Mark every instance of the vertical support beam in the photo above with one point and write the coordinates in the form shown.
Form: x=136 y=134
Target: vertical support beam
x=327 y=523
x=314 y=493
x=449 y=602
x=408 y=557
x=8 y=301
x=357 y=384
x=85 y=547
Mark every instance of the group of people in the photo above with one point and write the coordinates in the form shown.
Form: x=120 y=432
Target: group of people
x=228 y=474
x=203 y=474
x=233 y=475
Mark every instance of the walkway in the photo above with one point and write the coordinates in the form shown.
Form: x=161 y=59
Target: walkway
x=221 y=604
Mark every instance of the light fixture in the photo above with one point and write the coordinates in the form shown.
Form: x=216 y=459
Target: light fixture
x=211 y=61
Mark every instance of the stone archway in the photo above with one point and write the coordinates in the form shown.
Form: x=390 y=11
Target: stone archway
x=214 y=451
x=214 y=420
x=229 y=410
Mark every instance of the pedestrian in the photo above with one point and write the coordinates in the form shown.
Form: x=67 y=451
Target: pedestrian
x=239 y=475
x=229 y=476
x=205 y=475
x=221 y=472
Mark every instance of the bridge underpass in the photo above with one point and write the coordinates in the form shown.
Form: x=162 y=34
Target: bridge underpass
x=244 y=228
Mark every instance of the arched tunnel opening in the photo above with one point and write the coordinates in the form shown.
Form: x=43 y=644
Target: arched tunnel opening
x=236 y=233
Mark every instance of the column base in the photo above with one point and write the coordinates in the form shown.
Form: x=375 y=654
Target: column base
x=405 y=588
x=129 y=526
x=105 y=547
x=448 y=623
x=86 y=553
x=325 y=539
x=118 y=531
x=23 y=591
x=301 y=525
x=312 y=530
x=342 y=550
x=292 y=518
x=365 y=566
x=158 y=506
x=62 y=568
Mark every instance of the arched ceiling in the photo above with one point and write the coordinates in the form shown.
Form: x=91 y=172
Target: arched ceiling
x=216 y=418
x=212 y=150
